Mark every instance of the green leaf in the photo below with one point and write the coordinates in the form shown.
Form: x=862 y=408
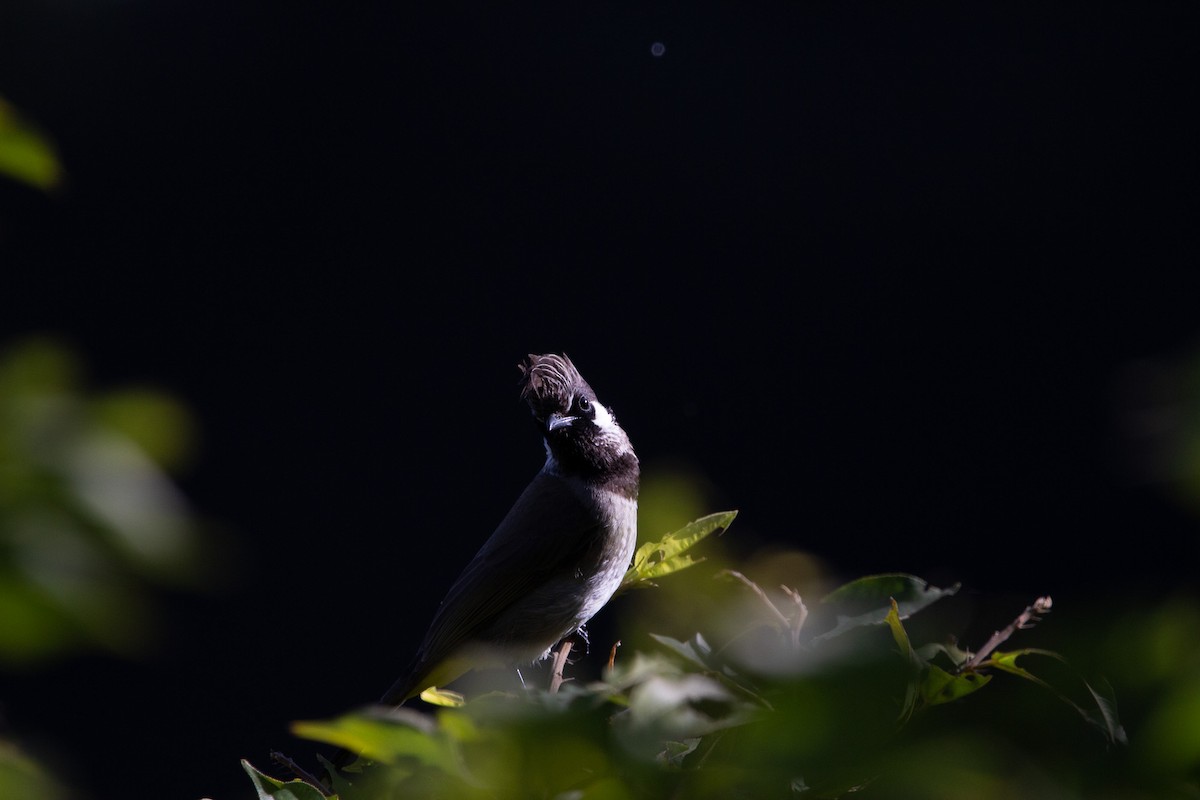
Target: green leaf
x=1007 y=661
x=930 y=684
x=273 y=789
x=1105 y=715
x=338 y=782
x=915 y=662
x=656 y=559
x=868 y=601
x=954 y=654
x=442 y=697
x=939 y=686
x=674 y=753
x=388 y=736
x=1102 y=716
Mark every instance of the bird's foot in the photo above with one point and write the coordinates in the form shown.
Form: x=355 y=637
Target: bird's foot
x=581 y=635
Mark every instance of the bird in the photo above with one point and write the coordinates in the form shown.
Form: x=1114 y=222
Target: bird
x=559 y=554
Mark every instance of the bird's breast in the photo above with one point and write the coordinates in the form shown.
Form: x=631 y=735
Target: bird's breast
x=614 y=551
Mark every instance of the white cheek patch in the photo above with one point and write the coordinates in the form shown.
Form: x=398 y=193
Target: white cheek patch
x=603 y=419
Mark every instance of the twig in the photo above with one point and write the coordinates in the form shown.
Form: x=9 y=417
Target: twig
x=1026 y=619
x=300 y=772
x=791 y=624
x=560 y=660
x=796 y=623
x=754 y=587
x=612 y=655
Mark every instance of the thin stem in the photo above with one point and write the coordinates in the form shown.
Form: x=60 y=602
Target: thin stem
x=560 y=661
x=1026 y=619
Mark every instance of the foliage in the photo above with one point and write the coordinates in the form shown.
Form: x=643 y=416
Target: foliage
x=87 y=511
x=669 y=554
x=21 y=776
x=820 y=704
x=88 y=517
x=26 y=154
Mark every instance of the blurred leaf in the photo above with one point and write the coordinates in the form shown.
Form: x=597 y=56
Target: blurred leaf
x=681 y=723
x=157 y=424
x=388 y=736
x=1171 y=740
x=674 y=753
x=34 y=625
x=26 y=154
x=656 y=559
x=669 y=496
x=681 y=706
x=87 y=516
x=271 y=789
x=696 y=651
x=37 y=366
x=22 y=777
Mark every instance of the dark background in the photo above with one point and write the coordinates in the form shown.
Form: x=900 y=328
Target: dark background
x=879 y=276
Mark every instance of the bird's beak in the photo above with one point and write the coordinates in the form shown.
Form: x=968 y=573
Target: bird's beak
x=556 y=421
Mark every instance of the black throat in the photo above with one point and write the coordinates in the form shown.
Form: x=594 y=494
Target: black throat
x=619 y=473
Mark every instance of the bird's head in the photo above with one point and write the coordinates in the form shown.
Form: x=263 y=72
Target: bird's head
x=581 y=434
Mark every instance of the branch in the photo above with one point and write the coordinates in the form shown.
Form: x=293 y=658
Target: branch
x=791 y=624
x=560 y=661
x=1026 y=619
x=612 y=655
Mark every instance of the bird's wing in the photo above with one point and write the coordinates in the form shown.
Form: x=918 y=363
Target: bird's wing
x=548 y=527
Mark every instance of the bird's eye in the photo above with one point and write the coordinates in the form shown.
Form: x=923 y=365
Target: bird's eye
x=583 y=404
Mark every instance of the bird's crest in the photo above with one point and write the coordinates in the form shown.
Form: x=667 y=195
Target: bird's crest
x=550 y=381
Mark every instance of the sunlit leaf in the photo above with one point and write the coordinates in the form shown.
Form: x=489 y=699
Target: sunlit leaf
x=391 y=736
x=442 y=697
x=662 y=557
